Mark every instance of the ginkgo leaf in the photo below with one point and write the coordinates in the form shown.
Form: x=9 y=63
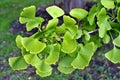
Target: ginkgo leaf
x=52 y=24
x=78 y=34
x=17 y=63
x=87 y=36
x=106 y=38
x=116 y=41
x=43 y=74
x=78 y=13
x=84 y=56
x=54 y=54
x=65 y=65
x=92 y=14
x=19 y=41
x=113 y=55
x=32 y=59
x=118 y=15
x=44 y=67
x=55 y=11
x=108 y=4
x=36 y=47
x=27 y=14
x=68 y=40
x=68 y=20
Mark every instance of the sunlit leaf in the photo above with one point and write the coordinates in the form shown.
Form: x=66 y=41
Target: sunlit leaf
x=19 y=41
x=118 y=15
x=84 y=56
x=55 y=11
x=78 y=13
x=43 y=74
x=113 y=55
x=116 y=41
x=78 y=34
x=17 y=63
x=54 y=54
x=87 y=36
x=32 y=59
x=36 y=47
x=108 y=4
x=106 y=38
x=68 y=40
x=65 y=65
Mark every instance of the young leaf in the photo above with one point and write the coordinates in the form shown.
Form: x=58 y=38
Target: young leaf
x=106 y=39
x=78 y=13
x=113 y=55
x=55 y=11
x=116 y=41
x=92 y=14
x=65 y=65
x=17 y=63
x=78 y=34
x=108 y=4
x=43 y=74
x=28 y=16
x=84 y=56
x=36 y=47
x=68 y=20
x=52 y=24
x=87 y=36
x=19 y=41
x=118 y=15
x=32 y=59
x=54 y=54
x=68 y=40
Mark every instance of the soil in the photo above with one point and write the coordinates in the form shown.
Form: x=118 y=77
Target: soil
x=99 y=68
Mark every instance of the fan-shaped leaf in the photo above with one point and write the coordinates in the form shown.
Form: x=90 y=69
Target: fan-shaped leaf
x=106 y=38
x=84 y=56
x=87 y=36
x=19 y=41
x=118 y=15
x=78 y=13
x=54 y=54
x=17 y=63
x=68 y=40
x=65 y=65
x=55 y=11
x=32 y=59
x=36 y=47
x=108 y=4
x=113 y=55
x=116 y=41
x=78 y=34
x=43 y=74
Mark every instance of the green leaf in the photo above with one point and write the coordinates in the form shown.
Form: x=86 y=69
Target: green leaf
x=78 y=13
x=69 y=44
x=52 y=24
x=61 y=29
x=68 y=20
x=113 y=55
x=102 y=31
x=101 y=16
x=17 y=63
x=106 y=39
x=43 y=74
x=28 y=16
x=116 y=41
x=19 y=41
x=32 y=59
x=118 y=15
x=55 y=11
x=87 y=36
x=54 y=54
x=78 y=34
x=36 y=22
x=43 y=69
x=84 y=56
x=65 y=65
x=33 y=45
x=92 y=14
x=108 y=4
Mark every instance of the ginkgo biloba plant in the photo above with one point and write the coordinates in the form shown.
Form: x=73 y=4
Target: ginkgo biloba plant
x=69 y=45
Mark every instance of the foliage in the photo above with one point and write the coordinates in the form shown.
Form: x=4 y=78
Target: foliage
x=59 y=44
